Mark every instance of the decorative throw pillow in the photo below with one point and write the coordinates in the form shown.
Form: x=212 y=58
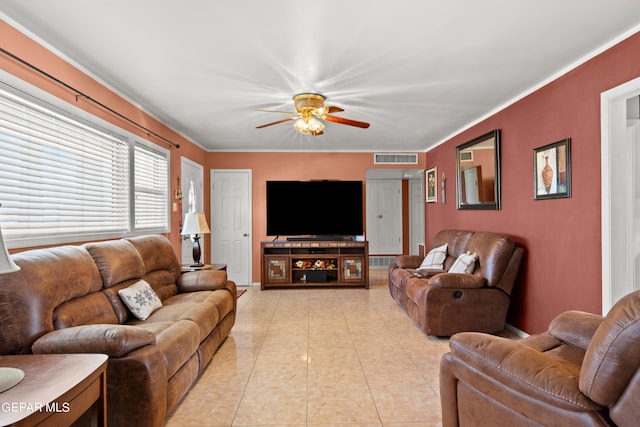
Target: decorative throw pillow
x=465 y=263
x=141 y=299
x=435 y=258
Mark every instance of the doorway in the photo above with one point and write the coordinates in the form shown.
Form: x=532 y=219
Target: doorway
x=414 y=228
x=231 y=222
x=620 y=119
x=192 y=188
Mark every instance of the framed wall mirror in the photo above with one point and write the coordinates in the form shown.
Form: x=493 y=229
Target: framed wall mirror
x=478 y=172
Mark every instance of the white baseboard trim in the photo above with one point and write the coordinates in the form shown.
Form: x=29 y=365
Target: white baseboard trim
x=518 y=332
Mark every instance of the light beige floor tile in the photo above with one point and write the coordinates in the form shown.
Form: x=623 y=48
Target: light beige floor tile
x=407 y=405
x=272 y=406
x=336 y=405
x=204 y=408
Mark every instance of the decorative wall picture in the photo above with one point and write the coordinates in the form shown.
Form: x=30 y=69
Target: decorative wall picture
x=431 y=181
x=552 y=170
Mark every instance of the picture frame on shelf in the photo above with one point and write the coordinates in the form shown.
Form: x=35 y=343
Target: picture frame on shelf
x=552 y=170
x=431 y=185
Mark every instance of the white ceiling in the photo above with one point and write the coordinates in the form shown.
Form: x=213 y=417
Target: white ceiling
x=417 y=70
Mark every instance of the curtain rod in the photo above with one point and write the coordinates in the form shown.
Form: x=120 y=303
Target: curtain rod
x=87 y=97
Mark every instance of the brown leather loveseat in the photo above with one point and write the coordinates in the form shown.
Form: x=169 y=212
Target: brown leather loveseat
x=442 y=302
x=66 y=300
x=583 y=371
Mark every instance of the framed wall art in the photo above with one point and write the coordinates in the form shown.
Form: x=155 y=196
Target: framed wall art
x=552 y=170
x=431 y=183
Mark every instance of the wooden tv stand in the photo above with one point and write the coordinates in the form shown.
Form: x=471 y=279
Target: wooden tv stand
x=314 y=263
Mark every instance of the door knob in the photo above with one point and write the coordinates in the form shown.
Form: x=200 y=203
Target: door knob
x=245 y=235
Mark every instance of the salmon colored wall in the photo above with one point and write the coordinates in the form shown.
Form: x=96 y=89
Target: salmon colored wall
x=290 y=166
x=562 y=237
x=28 y=50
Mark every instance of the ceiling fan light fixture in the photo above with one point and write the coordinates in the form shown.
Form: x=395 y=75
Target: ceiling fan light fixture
x=310 y=110
x=308 y=101
x=315 y=125
x=301 y=126
x=308 y=125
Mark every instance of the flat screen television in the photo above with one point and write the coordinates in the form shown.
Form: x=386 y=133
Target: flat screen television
x=314 y=208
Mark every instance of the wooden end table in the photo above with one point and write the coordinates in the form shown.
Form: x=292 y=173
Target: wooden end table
x=56 y=390
x=186 y=267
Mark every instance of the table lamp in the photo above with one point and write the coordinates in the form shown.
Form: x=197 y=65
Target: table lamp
x=194 y=224
x=8 y=376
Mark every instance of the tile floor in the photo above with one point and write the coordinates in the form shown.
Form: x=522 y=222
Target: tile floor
x=319 y=357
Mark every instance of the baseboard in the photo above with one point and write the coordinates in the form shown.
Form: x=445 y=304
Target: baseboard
x=518 y=332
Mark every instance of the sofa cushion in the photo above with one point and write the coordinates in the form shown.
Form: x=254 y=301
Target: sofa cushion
x=435 y=258
x=611 y=359
x=92 y=308
x=28 y=297
x=117 y=261
x=157 y=254
x=112 y=340
x=222 y=299
x=204 y=315
x=177 y=341
x=465 y=263
x=141 y=299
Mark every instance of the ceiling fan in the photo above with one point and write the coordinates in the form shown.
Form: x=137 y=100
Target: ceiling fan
x=310 y=110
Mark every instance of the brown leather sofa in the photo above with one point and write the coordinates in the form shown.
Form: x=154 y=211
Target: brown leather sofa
x=583 y=371
x=444 y=303
x=65 y=300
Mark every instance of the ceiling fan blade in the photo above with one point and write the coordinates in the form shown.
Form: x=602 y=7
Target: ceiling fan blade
x=276 y=111
x=275 y=123
x=333 y=109
x=349 y=122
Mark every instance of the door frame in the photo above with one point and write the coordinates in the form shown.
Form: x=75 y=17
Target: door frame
x=249 y=172
x=184 y=206
x=611 y=135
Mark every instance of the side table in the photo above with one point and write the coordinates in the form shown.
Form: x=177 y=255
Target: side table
x=56 y=390
x=187 y=267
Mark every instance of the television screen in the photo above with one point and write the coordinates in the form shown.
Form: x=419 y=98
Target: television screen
x=314 y=208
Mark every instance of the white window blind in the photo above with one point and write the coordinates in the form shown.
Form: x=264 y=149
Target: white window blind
x=151 y=188
x=59 y=176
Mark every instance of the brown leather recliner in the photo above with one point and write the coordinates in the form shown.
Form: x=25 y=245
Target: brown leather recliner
x=583 y=371
x=444 y=303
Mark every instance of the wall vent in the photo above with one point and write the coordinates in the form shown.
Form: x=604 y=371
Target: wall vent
x=466 y=156
x=380 y=262
x=395 y=158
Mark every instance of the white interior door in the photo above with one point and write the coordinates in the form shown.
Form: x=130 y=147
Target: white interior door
x=471 y=188
x=384 y=217
x=192 y=187
x=620 y=119
x=231 y=222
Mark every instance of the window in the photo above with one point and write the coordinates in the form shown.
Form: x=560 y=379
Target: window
x=151 y=198
x=64 y=179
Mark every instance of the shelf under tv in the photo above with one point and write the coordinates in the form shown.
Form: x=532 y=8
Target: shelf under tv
x=336 y=238
x=306 y=263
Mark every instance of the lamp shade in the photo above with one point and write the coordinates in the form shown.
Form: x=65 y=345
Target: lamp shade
x=6 y=263
x=195 y=223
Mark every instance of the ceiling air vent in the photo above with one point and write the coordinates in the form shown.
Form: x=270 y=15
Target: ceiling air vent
x=395 y=158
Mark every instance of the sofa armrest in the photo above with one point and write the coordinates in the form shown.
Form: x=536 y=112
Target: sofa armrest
x=204 y=280
x=516 y=366
x=112 y=340
x=428 y=272
x=409 y=261
x=458 y=281
x=575 y=327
